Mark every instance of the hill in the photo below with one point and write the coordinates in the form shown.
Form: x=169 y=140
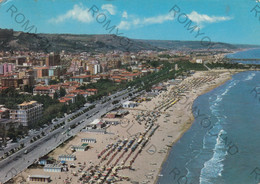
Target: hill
x=13 y=40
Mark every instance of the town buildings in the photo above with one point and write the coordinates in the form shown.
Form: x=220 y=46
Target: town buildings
x=39 y=73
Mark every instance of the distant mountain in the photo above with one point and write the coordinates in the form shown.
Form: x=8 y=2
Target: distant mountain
x=182 y=45
x=13 y=40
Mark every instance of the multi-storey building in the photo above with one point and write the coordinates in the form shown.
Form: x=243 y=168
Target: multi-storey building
x=20 y=60
x=91 y=69
x=11 y=82
x=96 y=68
x=27 y=113
x=44 y=90
x=41 y=72
x=6 y=68
x=111 y=64
x=55 y=71
x=81 y=78
x=4 y=112
x=53 y=59
x=27 y=76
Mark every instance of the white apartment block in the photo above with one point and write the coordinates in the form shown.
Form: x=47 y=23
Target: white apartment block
x=27 y=113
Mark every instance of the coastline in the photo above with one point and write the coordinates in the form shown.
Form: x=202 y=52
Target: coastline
x=168 y=133
x=239 y=50
x=190 y=123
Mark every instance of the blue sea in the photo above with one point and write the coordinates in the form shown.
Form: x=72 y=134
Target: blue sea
x=248 y=54
x=223 y=144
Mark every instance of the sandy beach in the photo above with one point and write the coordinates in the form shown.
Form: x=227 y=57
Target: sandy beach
x=154 y=126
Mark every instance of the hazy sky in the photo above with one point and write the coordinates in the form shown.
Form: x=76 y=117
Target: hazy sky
x=229 y=21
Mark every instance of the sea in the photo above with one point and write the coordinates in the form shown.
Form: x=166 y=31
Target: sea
x=247 y=54
x=223 y=144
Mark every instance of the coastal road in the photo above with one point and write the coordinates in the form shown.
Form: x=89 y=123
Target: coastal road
x=19 y=161
x=26 y=140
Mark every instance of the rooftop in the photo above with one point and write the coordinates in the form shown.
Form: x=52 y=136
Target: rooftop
x=28 y=103
x=39 y=176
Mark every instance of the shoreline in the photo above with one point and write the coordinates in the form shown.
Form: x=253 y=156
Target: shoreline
x=236 y=51
x=190 y=123
x=163 y=139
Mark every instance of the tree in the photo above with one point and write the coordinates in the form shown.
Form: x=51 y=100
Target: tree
x=62 y=92
x=55 y=96
x=12 y=133
x=28 y=89
x=3 y=135
x=64 y=109
x=53 y=82
x=20 y=130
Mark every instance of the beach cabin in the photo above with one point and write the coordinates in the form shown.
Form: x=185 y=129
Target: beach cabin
x=98 y=124
x=111 y=114
x=52 y=168
x=83 y=147
x=67 y=157
x=129 y=104
x=39 y=178
x=121 y=113
x=101 y=131
x=45 y=160
x=116 y=114
x=87 y=140
x=112 y=122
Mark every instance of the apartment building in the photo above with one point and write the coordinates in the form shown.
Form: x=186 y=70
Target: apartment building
x=44 y=90
x=11 y=82
x=27 y=113
x=81 y=78
x=6 y=68
x=52 y=59
x=41 y=72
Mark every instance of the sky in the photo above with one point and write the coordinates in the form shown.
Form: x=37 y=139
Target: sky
x=230 y=21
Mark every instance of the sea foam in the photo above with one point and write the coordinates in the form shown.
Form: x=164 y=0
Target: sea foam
x=214 y=166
